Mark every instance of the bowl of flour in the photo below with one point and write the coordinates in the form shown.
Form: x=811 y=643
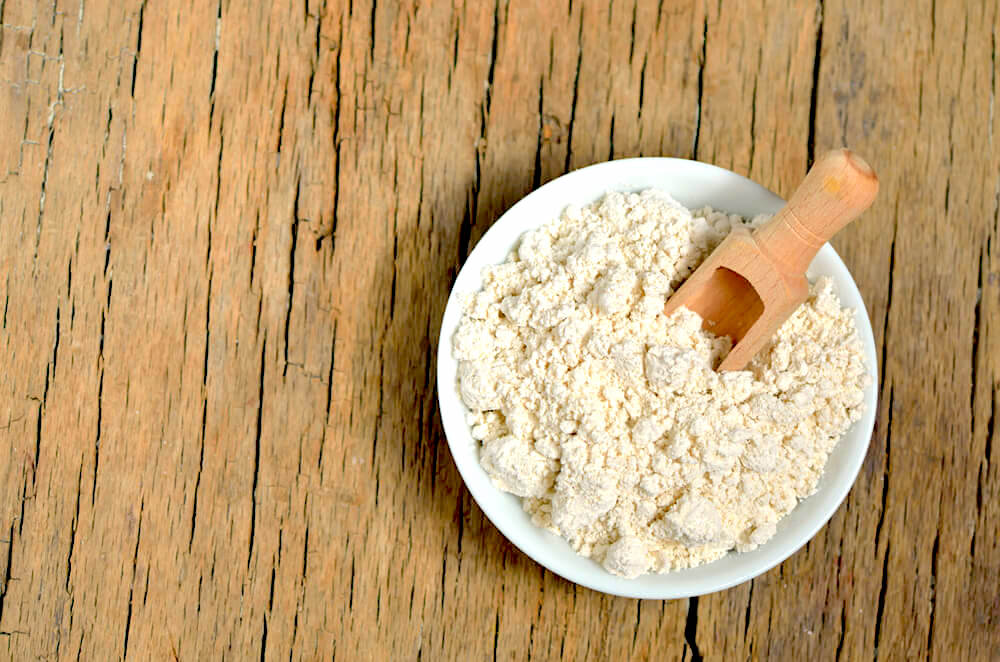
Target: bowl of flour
x=595 y=432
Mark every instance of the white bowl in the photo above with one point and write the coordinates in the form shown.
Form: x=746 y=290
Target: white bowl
x=695 y=185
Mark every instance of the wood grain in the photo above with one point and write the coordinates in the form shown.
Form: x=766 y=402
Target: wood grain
x=228 y=233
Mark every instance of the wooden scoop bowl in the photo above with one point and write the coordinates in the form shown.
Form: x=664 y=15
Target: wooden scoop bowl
x=755 y=280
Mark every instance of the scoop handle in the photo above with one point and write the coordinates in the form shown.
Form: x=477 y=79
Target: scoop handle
x=835 y=191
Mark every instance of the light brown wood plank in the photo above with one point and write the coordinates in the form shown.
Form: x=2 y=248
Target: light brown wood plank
x=229 y=230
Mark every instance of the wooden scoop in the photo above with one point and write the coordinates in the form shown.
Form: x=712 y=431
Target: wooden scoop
x=755 y=280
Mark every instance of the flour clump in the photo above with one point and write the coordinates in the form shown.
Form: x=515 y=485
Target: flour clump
x=608 y=419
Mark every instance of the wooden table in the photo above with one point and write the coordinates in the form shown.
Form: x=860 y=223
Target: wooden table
x=228 y=232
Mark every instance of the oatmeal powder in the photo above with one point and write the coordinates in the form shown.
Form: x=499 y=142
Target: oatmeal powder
x=608 y=418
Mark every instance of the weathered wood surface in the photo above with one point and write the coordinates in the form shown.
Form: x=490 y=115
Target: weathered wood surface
x=227 y=232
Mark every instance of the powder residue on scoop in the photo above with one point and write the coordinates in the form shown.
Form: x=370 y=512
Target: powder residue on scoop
x=608 y=417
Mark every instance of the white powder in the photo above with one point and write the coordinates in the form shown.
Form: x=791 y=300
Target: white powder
x=608 y=418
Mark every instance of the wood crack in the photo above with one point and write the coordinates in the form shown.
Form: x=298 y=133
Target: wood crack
x=611 y=138
x=888 y=302
x=984 y=465
x=201 y=455
x=44 y=185
x=337 y=143
x=814 y=91
x=281 y=116
x=702 y=58
x=138 y=46
x=215 y=63
x=263 y=642
x=878 y=529
x=100 y=412
x=256 y=453
x=38 y=436
x=72 y=530
x=536 y=176
x=55 y=344
x=380 y=410
x=576 y=95
x=753 y=123
x=135 y=564
x=691 y=629
x=990 y=428
x=642 y=94
x=635 y=628
x=291 y=268
x=314 y=64
x=350 y=593
x=880 y=611
x=933 y=590
x=976 y=322
x=5 y=585
x=210 y=269
x=496 y=634
x=329 y=398
x=631 y=41
x=885 y=477
x=395 y=245
x=454 y=53
x=372 y=32
x=843 y=632
x=253 y=247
